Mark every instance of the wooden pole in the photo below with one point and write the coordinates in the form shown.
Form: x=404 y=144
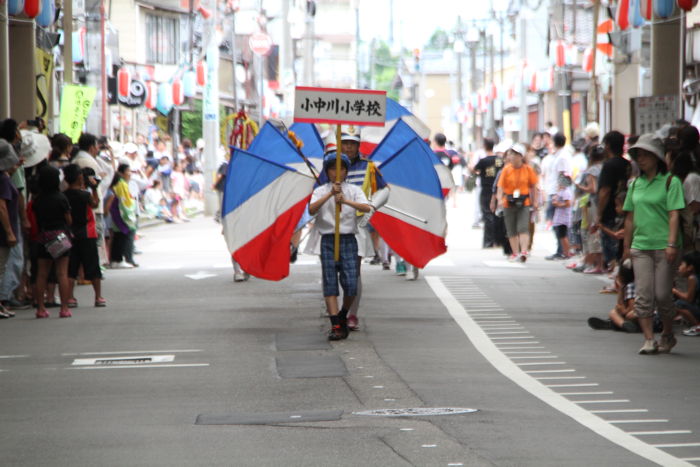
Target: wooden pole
x=338 y=152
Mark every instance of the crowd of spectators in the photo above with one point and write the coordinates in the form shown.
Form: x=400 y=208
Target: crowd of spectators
x=622 y=206
x=69 y=210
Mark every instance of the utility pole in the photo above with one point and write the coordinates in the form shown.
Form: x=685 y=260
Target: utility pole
x=475 y=135
x=309 y=45
x=460 y=92
x=490 y=84
x=67 y=42
x=523 y=133
x=592 y=104
x=210 y=110
x=4 y=63
x=103 y=71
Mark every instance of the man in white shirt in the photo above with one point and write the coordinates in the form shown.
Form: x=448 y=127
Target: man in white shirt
x=559 y=164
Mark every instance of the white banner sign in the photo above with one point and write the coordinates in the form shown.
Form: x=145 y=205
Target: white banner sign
x=339 y=106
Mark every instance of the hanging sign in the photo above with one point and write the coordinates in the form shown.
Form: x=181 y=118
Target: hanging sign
x=43 y=64
x=76 y=102
x=339 y=106
x=137 y=94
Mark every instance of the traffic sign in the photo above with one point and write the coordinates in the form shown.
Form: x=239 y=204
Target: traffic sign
x=260 y=43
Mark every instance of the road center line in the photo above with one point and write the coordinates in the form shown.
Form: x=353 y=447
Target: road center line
x=510 y=370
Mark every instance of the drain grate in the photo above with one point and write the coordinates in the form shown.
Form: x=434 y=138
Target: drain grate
x=136 y=360
x=416 y=412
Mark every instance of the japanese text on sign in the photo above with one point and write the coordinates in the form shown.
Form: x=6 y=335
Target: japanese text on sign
x=76 y=102
x=325 y=105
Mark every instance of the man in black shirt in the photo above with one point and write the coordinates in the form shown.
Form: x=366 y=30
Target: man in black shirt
x=613 y=179
x=486 y=169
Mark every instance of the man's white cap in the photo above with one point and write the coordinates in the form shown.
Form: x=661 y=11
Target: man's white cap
x=130 y=148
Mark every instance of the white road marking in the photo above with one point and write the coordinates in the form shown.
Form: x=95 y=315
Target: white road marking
x=429 y=446
x=540 y=363
x=125 y=360
x=199 y=275
x=666 y=432
x=14 y=356
x=568 y=370
x=549 y=378
x=519 y=352
x=407 y=429
x=677 y=445
x=572 y=385
x=691 y=459
x=511 y=338
x=114 y=367
x=650 y=420
x=534 y=356
x=621 y=411
x=609 y=401
x=531 y=343
x=490 y=333
x=592 y=393
x=509 y=369
x=129 y=352
x=504 y=264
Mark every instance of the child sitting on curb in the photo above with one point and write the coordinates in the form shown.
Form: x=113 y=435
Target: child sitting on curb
x=687 y=302
x=622 y=317
x=351 y=199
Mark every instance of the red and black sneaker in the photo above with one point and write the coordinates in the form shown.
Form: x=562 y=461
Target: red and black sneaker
x=336 y=333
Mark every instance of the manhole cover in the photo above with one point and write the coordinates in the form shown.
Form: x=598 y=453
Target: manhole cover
x=417 y=411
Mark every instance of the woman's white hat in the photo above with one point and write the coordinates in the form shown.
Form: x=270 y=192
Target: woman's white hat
x=35 y=147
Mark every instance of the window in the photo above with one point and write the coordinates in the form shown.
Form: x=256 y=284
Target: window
x=162 y=39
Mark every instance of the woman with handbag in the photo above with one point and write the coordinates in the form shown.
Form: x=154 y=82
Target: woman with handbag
x=53 y=216
x=517 y=185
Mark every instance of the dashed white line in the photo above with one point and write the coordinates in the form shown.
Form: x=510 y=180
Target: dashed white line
x=540 y=363
x=533 y=356
x=573 y=385
x=609 y=401
x=665 y=432
x=484 y=344
x=550 y=378
x=14 y=356
x=677 y=445
x=649 y=420
x=567 y=370
x=591 y=393
x=116 y=367
x=621 y=411
x=514 y=337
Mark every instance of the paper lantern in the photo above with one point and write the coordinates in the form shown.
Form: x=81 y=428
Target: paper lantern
x=622 y=15
x=557 y=52
x=603 y=43
x=533 y=82
x=636 y=13
x=32 y=8
x=494 y=92
x=664 y=8
x=646 y=8
x=165 y=98
x=189 y=82
x=123 y=81
x=178 y=92
x=201 y=73
x=151 y=95
x=15 y=7
x=587 y=60
x=47 y=15
x=78 y=51
x=687 y=5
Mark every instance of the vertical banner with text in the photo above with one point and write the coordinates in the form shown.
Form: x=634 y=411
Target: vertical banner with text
x=76 y=102
x=43 y=66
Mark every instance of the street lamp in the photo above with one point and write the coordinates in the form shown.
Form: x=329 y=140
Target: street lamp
x=472 y=38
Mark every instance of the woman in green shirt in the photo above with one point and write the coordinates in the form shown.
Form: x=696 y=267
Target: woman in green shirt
x=653 y=202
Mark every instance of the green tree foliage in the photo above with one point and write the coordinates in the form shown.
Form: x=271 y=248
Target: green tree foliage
x=191 y=122
x=439 y=40
x=384 y=70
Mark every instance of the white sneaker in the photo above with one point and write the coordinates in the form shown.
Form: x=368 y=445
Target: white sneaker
x=649 y=347
x=122 y=265
x=239 y=277
x=693 y=331
x=412 y=274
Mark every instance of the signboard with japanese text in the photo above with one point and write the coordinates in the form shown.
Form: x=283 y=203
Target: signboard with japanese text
x=339 y=106
x=76 y=102
x=652 y=112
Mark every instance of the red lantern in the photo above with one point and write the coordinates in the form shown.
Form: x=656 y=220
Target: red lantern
x=646 y=7
x=178 y=92
x=533 y=82
x=494 y=91
x=123 y=81
x=622 y=15
x=603 y=31
x=151 y=95
x=587 y=61
x=201 y=73
x=32 y=8
x=687 y=5
x=558 y=52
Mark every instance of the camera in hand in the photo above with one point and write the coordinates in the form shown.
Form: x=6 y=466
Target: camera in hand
x=91 y=179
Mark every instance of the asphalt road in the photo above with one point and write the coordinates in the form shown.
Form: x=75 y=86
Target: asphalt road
x=184 y=367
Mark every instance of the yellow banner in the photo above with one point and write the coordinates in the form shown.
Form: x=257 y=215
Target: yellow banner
x=43 y=64
x=75 y=106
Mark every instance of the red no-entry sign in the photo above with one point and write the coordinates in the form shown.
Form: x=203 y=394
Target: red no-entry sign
x=260 y=43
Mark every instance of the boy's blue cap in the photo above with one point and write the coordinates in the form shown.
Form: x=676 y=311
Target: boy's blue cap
x=329 y=160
